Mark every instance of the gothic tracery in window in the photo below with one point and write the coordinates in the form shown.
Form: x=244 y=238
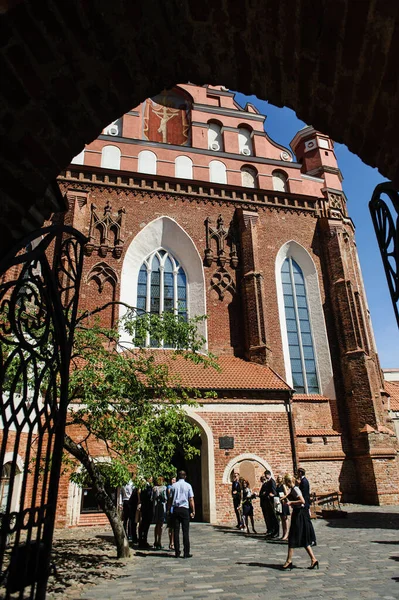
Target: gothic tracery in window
x=162 y=287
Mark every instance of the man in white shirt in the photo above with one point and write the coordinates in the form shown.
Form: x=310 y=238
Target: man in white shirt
x=182 y=500
x=124 y=503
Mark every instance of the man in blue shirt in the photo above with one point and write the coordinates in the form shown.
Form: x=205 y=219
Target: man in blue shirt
x=182 y=507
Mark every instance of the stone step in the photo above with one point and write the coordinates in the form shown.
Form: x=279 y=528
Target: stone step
x=92 y=519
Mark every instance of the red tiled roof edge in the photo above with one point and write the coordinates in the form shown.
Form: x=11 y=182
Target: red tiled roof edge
x=317 y=432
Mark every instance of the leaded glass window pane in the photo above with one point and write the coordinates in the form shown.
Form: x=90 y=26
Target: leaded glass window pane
x=302 y=358
x=288 y=301
x=142 y=289
x=155 y=292
x=168 y=267
x=294 y=352
x=305 y=326
x=301 y=301
x=303 y=313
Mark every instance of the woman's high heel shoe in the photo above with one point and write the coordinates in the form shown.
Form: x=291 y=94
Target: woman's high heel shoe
x=314 y=565
x=287 y=566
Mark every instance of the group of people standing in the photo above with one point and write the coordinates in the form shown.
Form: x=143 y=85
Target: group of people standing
x=284 y=498
x=158 y=503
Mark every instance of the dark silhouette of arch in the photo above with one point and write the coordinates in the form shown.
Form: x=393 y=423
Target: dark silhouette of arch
x=54 y=101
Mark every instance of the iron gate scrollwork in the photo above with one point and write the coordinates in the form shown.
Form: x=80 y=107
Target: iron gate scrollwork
x=386 y=228
x=39 y=289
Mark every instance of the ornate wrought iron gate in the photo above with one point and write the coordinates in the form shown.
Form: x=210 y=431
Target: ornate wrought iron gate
x=385 y=215
x=39 y=290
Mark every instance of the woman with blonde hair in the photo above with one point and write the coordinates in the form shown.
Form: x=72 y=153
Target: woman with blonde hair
x=282 y=508
x=301 y=533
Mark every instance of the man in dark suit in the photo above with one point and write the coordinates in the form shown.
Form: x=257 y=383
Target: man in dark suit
x=263 y=499
x=304 y=487
x=146 y=513
x=267 y=494
x=236 y=494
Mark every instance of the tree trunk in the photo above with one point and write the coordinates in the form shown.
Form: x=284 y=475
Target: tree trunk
x=101 y=495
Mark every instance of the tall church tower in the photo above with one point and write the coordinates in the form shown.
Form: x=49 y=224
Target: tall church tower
x=190 y=207
x=362 y=400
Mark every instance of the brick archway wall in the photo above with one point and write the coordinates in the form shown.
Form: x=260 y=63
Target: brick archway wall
x=70 y=68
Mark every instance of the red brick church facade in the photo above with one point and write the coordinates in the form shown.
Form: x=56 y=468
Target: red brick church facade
x=190 y=206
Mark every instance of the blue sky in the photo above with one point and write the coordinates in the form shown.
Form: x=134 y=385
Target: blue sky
x=359 y=182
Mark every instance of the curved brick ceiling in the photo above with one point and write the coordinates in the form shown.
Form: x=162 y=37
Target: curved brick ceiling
x=70 y=68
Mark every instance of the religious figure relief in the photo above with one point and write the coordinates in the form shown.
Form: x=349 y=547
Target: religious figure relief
x=221 y=238
x=105 y=233
x=167 y=119
x=222 y=282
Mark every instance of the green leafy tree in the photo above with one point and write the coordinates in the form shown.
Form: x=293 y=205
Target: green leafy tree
x=127 y=398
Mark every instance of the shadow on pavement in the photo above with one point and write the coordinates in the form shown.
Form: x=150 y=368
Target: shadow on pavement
x=386 y=542
x=154 y=554
x=241 y=534
x=266 y=566
x=366 y=520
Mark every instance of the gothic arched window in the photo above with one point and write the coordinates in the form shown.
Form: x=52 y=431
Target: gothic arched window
x=300 y=341
x=162 y=286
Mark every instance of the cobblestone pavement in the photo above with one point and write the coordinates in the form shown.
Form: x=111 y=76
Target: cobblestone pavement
x=358 y=559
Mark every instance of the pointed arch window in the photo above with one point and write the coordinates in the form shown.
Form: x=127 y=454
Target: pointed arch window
x=162 y=287
x=297 y=319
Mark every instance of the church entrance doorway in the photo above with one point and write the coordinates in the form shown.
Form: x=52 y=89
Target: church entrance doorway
x=193 y=468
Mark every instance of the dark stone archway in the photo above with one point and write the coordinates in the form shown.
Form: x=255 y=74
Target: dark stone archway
x=70 y=68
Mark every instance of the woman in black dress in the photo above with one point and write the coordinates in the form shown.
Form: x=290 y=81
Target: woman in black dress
x=247 y=508
x=301 y=534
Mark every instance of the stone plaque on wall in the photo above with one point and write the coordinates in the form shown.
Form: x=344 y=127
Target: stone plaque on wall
x=226 y=443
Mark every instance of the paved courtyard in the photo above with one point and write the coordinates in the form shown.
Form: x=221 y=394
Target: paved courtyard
x=358 y=557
